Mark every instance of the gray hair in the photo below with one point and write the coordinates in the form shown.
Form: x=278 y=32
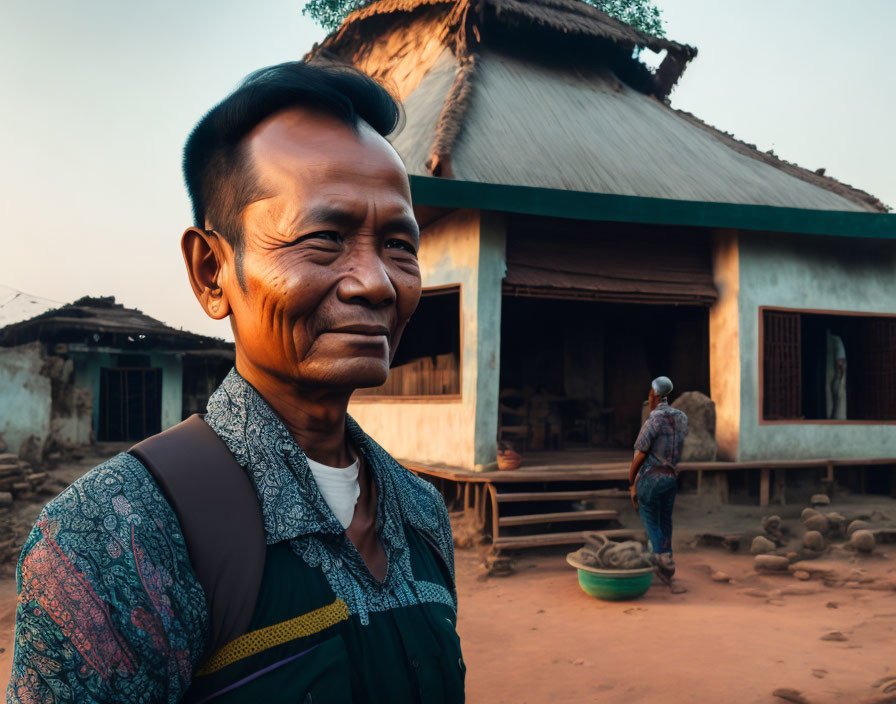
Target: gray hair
x=662 y=386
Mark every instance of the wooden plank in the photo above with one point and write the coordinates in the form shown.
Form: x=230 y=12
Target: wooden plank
x=533 y=518
x=764 y=486
x=620 y=473
x=562 y=495
x=546 y=539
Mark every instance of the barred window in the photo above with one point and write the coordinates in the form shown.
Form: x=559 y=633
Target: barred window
x=828 y=366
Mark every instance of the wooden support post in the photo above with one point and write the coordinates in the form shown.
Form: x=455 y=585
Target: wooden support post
x=699 y=482
x=764 y=486
x=722 y=486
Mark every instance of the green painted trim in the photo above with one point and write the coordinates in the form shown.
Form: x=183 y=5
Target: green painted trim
x=577 y=205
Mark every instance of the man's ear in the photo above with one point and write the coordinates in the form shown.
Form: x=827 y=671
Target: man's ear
x=204 y=254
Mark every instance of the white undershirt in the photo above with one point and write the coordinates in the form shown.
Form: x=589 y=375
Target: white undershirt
x=339 y=487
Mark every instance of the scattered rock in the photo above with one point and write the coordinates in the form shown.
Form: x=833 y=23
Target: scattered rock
x=820 y=499
x=814 y=540
x=862 y=540
x=792 y=556
x=773 y=529
x=761 y=545
x=823 y=569
x=720 y=577
x=771 y=522
x=790 y=695
x=771 y=562
x=832 y=605
x=808 y=513
x=817 y=522
x=858 y=524
x=802 y=575
x=835 y=636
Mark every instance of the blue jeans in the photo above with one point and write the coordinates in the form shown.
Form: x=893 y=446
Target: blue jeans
x=656 y=498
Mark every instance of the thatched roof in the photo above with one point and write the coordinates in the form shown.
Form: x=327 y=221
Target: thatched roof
x=471 y=24
x=547 y=93
x=102 y=321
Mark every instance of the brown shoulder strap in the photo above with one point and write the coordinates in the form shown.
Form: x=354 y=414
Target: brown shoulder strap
x=220 y=518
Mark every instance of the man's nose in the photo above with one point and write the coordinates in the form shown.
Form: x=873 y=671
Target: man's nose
x=367 y=280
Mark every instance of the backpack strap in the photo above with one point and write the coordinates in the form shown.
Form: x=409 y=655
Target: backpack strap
x=220 y=518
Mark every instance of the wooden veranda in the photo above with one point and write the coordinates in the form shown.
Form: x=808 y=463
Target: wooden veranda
x=493 y=500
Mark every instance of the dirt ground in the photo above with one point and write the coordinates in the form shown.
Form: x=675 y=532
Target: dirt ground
x=534 y=637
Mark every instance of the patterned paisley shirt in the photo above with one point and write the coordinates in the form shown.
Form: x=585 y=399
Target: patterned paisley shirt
x=109 y=608
x=661 y=439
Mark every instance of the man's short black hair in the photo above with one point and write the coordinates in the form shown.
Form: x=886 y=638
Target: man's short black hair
x=216 y=165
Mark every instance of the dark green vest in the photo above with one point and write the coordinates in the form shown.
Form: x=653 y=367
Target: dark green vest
x=303 y=646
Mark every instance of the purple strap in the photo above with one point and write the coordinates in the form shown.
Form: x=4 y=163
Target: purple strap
x=255 y=675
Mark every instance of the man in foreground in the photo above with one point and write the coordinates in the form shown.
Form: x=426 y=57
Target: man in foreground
x=305 y=239
x=653 y=479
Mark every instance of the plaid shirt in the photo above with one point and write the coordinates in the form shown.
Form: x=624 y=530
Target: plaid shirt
x=661 y=439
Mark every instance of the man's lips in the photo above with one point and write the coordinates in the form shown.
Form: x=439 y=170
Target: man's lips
x=363 y=329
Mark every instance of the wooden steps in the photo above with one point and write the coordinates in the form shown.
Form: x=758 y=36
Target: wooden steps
x=560 y=517
x=570 y=538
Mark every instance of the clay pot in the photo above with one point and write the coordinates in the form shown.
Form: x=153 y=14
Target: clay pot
x=509 y=460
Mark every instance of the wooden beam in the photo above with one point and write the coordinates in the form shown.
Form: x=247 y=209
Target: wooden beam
x=533 y=518
x=562 y=495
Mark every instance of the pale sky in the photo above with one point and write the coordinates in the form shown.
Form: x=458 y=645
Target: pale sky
x=98 y=96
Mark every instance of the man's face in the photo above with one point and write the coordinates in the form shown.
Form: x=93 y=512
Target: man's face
x=330 y=272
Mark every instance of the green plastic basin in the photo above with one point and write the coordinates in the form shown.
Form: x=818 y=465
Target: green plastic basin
x=613 y=585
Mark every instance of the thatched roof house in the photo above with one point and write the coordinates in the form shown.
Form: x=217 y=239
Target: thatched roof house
x=96 y=369
x=551 y=95
x=581 y=236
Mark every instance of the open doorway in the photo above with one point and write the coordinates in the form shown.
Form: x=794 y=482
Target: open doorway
x=575 y=374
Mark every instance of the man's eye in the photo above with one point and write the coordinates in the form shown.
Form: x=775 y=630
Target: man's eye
x=323 y=235
x=401 y=244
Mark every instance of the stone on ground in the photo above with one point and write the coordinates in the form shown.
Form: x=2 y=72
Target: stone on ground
x=761 y=545
x=807 y=513
x=858 y=524
x=720 y=577
x=771 y=562
x=802 y=575
x=820 y=500
x=790 y=695
x=814 y=540
x=862 y=540
x=836 y=636
x=819 y=523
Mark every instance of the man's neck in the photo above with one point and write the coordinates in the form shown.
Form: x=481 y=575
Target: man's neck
x=314 y=418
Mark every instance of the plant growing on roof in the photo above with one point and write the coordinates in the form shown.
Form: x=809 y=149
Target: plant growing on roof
x=643 y=15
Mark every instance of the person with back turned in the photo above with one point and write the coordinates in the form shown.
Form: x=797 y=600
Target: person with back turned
x=333 y=580
x=653 y=478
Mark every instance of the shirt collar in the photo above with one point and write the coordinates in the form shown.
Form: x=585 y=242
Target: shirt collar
x=291 y=503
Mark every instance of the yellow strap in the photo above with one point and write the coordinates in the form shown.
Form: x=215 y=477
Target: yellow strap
x=271 y=636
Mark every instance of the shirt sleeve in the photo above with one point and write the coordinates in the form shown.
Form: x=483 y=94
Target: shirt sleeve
x=109 y=609
x=647 y=435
